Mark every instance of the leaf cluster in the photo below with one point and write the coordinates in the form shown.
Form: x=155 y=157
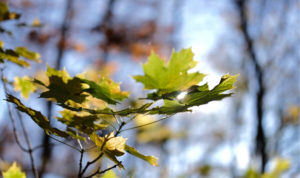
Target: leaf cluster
x=89 y=104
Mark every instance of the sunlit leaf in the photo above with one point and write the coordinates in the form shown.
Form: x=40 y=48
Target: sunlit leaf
x=12 y=56
x=251 y=173
x=111 y=146
x=202 y=95
x=37 y=117
x=106 y=90
x=24 y=85
x=24 y=52
x=169 y=107
x=14 y=172
x=150 y=159
x=109 y=174
x=281 y=166
x=172 y=76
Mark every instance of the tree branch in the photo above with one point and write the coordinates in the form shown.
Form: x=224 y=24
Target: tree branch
x=101 y=172
x=30 y=150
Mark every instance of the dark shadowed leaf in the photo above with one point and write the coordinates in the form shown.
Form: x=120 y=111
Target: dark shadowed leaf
x=37 y=117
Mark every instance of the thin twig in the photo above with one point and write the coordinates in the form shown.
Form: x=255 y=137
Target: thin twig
x=95 y=160
x=71 y=146
x=80 y=162
x=139 y=126
x=101 y=172
x=11 y=116
x=90 y=163
x=30 y=150
x=120 y=127
x=41 y=146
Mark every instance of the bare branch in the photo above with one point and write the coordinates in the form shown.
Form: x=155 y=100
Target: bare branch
x=139 y=126
x=71 y=146
x=30 y=150
x=101 y=172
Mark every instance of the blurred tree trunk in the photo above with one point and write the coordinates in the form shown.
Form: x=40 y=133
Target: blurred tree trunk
x=260 y=135
x=47 y=148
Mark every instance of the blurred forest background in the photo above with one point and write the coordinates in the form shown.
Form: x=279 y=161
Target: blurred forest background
x=251 y=132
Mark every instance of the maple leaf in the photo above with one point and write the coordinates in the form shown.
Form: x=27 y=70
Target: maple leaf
x=111 y=146
x=197 y=95
x=150 y=159
x=14 y=171
x=106 y=90
x=171 y=76
x=24 y=85
x=62 y=88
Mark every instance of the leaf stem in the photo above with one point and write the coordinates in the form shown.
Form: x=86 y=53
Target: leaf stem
x=139 y=126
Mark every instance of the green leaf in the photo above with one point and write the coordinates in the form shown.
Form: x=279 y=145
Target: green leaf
x=150 y=159
x=84 y=123
x=22 y=51
x=140 y=110
x=37 y=117
x=63 y=88
x=156 y=96
x=171 y=76
x=14 y=171
x=24 y=85
x=202 y=95
x=12 y=56
x=106 y=90
x=169 y=107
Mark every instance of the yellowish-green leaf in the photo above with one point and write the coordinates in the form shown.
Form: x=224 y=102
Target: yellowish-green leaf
x=109 y=174
x=59 y=73
x=111 y=146
x=106 y=90
x=150 y=159
x=24 y=85
x=24 y=52
x=5 y=14
x=12 y=56
x=251 y=173
x=171 y=76
x=37 y=117
x=14 y=172
x=281 y=166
